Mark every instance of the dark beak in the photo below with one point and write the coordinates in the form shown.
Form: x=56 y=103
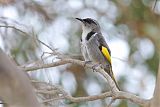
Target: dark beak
x=79 y=19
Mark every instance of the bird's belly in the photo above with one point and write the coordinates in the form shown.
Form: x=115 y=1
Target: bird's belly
x=84 y=51
x=95 y=53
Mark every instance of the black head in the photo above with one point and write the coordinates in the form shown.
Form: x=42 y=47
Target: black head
x=89 y=23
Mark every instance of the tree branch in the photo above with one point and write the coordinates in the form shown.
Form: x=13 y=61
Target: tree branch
x=13 y=27
x=114 y=93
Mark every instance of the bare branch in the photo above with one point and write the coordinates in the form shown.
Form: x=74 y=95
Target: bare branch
x=53 y=99
x=41 y=66
x=13 y=27
x=89 y=98
x=44 y=44
x=114 y=93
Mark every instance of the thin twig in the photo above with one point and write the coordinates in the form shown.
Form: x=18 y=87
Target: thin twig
x=13 y=27
x=54 y=64
x=116 y=95
x=46 y=45
x=89 y=98
x=53 y=99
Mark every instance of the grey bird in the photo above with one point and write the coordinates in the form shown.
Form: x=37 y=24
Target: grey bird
x=94 y=47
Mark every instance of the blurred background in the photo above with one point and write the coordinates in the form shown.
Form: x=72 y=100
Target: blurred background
x=128 y=26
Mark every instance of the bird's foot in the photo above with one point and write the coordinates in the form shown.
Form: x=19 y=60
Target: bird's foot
x=87 y=62
x=95 y=66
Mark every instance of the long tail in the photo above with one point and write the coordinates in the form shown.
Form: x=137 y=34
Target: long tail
x=110 y=72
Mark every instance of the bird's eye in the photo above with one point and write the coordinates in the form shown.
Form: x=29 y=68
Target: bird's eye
x=89 y=21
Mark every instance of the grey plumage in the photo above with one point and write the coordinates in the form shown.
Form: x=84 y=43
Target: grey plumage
x=91 y=44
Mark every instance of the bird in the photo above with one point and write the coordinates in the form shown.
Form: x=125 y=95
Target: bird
x=94 y=47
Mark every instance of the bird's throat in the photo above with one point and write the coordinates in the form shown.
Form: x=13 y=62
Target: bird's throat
x=85 y=33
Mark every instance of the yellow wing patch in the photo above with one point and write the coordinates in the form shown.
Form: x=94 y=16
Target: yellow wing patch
x=106 y=53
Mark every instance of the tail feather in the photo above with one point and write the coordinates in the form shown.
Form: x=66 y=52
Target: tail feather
x=110 y=72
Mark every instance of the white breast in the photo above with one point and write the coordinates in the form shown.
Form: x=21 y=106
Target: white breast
x=85 y=32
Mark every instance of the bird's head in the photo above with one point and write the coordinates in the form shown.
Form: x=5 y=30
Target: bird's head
x=89 y=24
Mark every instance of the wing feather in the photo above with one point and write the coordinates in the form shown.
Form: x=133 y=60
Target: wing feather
x=104 y=48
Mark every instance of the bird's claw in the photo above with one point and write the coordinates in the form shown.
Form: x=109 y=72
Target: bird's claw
x=95 y=66
x=87 y=62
